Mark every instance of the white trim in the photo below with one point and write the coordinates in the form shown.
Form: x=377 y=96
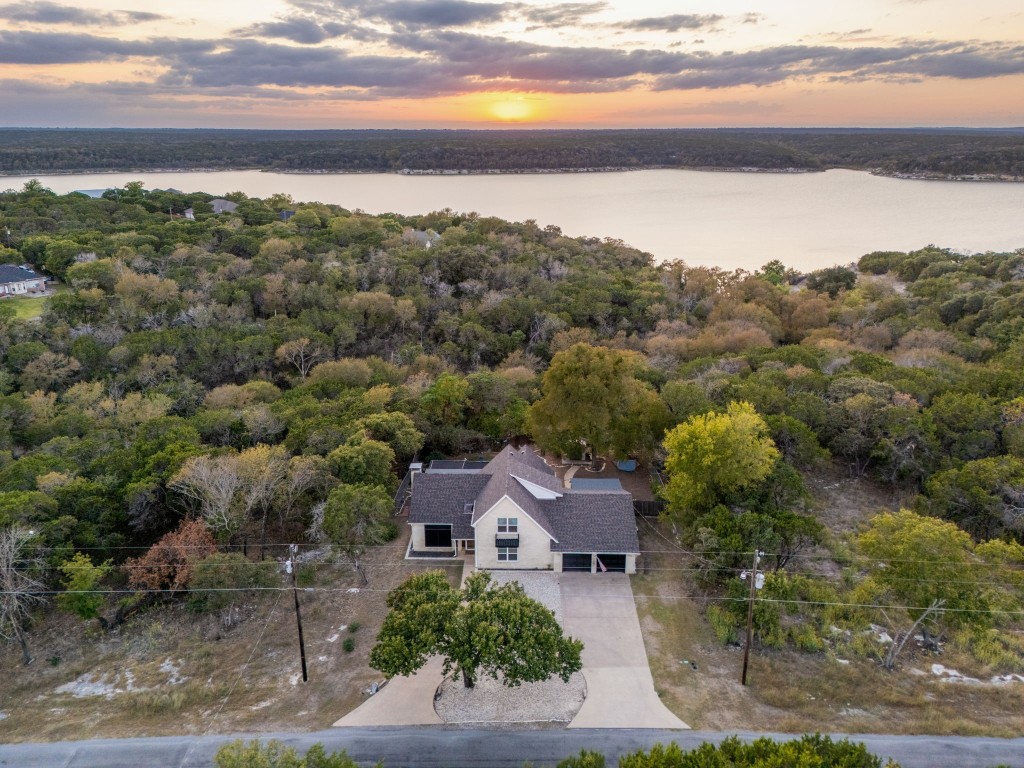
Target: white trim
x=506 y=496
x=538 y=491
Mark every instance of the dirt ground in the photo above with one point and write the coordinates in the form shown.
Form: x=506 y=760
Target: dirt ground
x=698 y=678
x=172 y=671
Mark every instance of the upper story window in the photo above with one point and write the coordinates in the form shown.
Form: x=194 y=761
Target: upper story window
x=508 y=525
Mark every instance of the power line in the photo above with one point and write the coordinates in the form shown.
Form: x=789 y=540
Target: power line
x=705 y=598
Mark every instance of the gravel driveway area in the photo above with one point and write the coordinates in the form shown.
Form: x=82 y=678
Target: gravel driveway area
x=551 y=701
x=542 y=586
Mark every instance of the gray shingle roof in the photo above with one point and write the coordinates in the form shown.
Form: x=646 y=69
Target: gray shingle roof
x=594 y=521
x=577 y=521
x=10 y=273
x=443 y=499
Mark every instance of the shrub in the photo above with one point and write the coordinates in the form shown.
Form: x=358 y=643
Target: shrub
x=723 y=623
x=274 y=754
x=763 y=753
x=585 y=759
x=349 y=645
x=223 y=571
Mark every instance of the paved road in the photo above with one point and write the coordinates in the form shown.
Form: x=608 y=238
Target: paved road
x=439 y=747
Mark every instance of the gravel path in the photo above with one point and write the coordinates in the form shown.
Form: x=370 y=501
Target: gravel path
x=491 y=702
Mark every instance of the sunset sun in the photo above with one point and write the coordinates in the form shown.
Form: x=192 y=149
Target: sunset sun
x=512 y=110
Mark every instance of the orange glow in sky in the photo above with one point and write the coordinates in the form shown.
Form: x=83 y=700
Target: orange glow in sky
x=514 y=110
x=530 y=63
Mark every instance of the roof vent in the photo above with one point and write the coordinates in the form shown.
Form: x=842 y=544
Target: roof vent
x=468 y=507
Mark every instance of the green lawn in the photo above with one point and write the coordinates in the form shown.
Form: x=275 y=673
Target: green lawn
x=27 y=307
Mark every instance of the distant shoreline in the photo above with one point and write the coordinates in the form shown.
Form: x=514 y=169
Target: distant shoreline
x=917 y=176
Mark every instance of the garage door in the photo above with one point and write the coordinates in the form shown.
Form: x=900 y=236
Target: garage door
x=612 y=563
x=574 y=562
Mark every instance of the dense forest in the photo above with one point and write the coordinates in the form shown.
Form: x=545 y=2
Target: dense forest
x=198 y=383
x=936 y=152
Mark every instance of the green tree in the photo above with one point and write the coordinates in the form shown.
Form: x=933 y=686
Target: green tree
x=356 y=517
x=832 y=280
x=592 y=396
x=444 y=403
x=81 y=579
x=919 y=562
x=364 y=462
x=714 y=455
x=481 y=629
x=983 y=497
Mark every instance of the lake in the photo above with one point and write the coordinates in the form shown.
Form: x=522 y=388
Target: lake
x=728 y=219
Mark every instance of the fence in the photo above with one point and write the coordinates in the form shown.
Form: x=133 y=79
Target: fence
x=403 y=493
x=648 y=508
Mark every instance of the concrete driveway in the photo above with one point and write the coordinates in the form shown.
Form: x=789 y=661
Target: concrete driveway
x=595 y=608
x=599 y=610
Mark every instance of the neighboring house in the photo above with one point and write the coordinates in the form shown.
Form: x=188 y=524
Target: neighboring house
x=514 y=513
x=424 y=237
x=85 y=257
x=220 y=205
x=285 y=215
x=190 y=214
x=16 y=280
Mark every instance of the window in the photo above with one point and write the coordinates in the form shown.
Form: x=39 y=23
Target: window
x=508 y=525
x=437 y=535
x=507 y=555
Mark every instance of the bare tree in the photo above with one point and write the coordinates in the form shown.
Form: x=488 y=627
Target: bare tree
x=263 y=469
x=211 y=483
x=301 y=353
x=19 y=591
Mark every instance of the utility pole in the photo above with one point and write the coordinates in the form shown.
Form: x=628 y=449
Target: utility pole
x=754 y=586
x=291 y=567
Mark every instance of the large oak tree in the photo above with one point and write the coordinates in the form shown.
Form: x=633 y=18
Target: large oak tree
x=497 y=631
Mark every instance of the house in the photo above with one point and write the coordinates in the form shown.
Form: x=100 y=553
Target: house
x=220 y=205
x=285 y=215
x=86 y=257
x=190 y=214
x=15 y=280
x=426 y=238
x=513 y=513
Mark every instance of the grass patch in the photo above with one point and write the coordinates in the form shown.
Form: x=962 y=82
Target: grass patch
x=27 y=307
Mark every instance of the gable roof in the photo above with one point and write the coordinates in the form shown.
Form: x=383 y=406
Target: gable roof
x=503 y=483
x=11 y=273
x=593 y=520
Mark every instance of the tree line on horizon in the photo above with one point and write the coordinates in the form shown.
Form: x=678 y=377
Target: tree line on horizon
x=930 y=152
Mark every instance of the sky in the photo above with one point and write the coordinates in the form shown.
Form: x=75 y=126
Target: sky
x=511 y=63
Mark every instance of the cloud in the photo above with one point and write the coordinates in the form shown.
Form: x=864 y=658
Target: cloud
x=560 y=14
x=673 y=23
x=431 y=14
x=45 y=12
x=307 y=31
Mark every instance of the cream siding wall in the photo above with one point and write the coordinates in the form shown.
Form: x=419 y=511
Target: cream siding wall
x=534 y=544
x=25 y=286
x=419 y=537
x=630 y=563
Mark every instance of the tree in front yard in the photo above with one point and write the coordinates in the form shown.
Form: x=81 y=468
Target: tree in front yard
x=480 y=629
